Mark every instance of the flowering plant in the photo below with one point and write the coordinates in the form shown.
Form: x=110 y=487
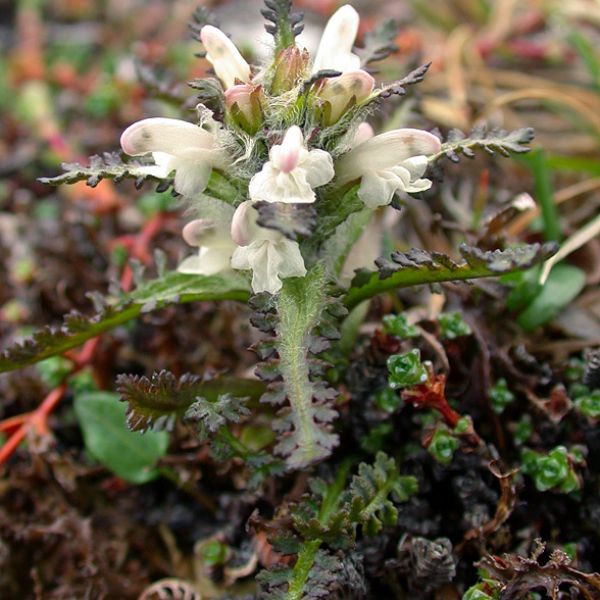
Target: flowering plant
x=284 y=180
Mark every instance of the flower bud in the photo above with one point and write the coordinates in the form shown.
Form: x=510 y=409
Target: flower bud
x=339 y=94
x=244 y=107
x=291 y=66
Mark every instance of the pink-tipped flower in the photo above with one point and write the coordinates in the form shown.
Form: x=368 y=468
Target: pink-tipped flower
x=388 y=163
x=178 y=146
x=228 y=63
x=244 y=106
x=214 y=244
x=339 y=94
x=292 y=172
x=335 y=49
x=266 y=252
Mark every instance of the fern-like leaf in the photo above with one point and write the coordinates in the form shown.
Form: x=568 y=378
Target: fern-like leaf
x=109 y=165
x=214 y=415
x=491 y=141
x=156 y=402
x=370 y=490
x=112 y=312
x=418 y=267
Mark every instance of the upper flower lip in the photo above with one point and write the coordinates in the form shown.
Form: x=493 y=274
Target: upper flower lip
x=221 y=52
x=335 y=48
x=171 y=136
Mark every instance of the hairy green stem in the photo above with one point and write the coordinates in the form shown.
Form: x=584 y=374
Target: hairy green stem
x=299 y=306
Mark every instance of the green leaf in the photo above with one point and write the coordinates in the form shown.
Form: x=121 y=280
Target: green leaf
x=442 y=446
x=418 y=267
x=156 y=402
x=370 y=491
x=561 y=288
x=300 y=307
x=406 y=370
x=398 y=326
x=544 y=193
x=214 y=415
x=128 y=454
x=76 y=329
x=452 y=325
x=589 y=404
x=496 y=140
x=501 y=396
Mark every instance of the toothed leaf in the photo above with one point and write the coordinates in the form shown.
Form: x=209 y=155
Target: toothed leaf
x=418 y=267
x=152 y=295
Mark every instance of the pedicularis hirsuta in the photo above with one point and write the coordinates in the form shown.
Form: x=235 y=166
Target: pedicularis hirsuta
x=284 y=181
x=284 y=178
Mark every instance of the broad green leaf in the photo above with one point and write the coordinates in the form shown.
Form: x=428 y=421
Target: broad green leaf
x=130 y=455
x=562 y=287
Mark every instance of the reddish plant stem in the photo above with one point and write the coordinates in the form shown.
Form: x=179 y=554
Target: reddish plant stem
x=18 y=426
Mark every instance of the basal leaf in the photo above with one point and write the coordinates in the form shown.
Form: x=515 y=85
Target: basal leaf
x=561 y=288
x=159 y=400
x=128 y=454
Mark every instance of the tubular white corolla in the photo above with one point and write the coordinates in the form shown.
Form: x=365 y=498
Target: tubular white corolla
x=292 y=172
x=178 y=146
x=228 y=63
x=335 y=49
x=214 y=244
x=268 y=253
x=388 y=163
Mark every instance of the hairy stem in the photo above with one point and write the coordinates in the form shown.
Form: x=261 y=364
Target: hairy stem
x=302 y=568
x=299 y=306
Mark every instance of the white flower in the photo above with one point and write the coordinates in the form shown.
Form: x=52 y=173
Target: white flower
x=268 y=253
x=335 y=49
x=388 y=163
x=228 y=63
x=292 y=172
x=215 y=248
x=178 y=146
